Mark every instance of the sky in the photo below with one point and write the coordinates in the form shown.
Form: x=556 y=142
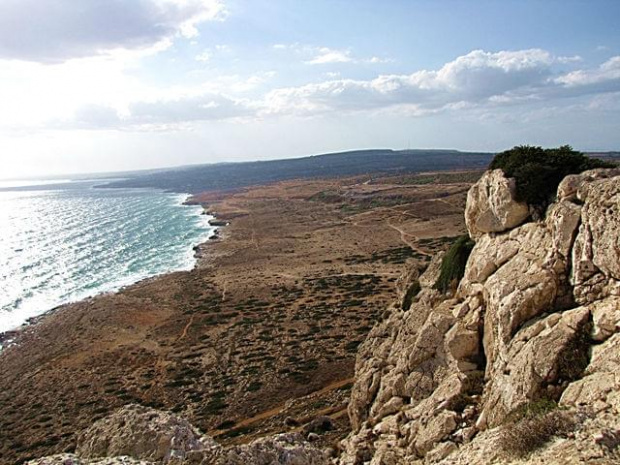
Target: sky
x=112 y=85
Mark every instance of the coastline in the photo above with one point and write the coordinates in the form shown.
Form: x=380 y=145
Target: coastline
x=202 y=254
x=268 y=320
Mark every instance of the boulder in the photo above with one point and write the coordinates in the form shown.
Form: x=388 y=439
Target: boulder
x=517 y=278
x=144 y=434
x=491 y=205
x=136 y=435
x=433 y=270
x=605 y=318
x=571 y=184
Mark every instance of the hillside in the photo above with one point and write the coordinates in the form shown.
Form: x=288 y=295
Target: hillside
x=228 y=176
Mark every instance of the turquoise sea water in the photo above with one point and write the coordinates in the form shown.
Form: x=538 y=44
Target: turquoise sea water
x=63 y=242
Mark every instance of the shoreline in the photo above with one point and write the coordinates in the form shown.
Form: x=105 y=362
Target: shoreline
x=271 y=315
x=201 y=254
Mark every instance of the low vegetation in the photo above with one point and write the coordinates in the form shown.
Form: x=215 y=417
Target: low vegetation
x=453 y=264
x=538 y=171
x=227 y=176
x=533 y=425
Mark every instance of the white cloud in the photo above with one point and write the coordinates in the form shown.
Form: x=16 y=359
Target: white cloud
x=608 y=72
x=204 y=56
x=101 y=92
x=56 y=31
x=161 y=114
x=478 y=78
x=570 y=59
x=379 y=60
x=327 y=55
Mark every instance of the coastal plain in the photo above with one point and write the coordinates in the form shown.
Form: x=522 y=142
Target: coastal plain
x=259 y=338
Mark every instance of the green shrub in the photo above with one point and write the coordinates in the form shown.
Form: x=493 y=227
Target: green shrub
x=538 y=171
x=255 y=386
x=453 y=264
x=531 y=410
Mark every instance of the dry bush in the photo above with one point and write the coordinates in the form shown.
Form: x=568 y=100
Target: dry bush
x=534 y=430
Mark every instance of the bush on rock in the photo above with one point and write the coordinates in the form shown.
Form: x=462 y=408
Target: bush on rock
x=538 y=171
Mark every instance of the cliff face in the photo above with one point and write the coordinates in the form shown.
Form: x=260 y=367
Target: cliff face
x=521 y=363
x=534 y=321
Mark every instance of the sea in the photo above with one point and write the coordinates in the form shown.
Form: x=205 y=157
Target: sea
x=64 y=241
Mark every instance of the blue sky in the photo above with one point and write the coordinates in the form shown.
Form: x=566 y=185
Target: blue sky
x=103 y=85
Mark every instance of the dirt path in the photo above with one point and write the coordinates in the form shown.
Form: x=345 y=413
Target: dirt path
x=187 y=326
x=277 y=410
x=403 y=237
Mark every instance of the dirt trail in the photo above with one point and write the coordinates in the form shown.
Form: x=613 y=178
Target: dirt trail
x=187 y=326
x=403 y=237
x=277 y=410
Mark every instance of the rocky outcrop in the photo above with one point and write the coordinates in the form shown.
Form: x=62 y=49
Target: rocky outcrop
x=596 y=253
x=535 y=319
x=491 y=205
x=72 y=459
x=137 y=435
x=142 y=433
x=284 y=449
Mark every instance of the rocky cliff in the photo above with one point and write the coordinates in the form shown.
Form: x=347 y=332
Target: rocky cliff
x=526 y=345
x=519 y=363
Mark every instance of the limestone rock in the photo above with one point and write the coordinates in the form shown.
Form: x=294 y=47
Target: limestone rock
x=142 y=433
x=433 y=270
x=606 y=317
x=570 y=185
x=523 y=286
x=437 y=429
x=595 y=441
x=440 y=452
x=71 y=459
x=283 y=449
x=543 y=355
x=563 y=219
x=418 y=374
x=491 y=205
x=370 y=363
x=596 y=253
x=404 y=285
x=600 y=387
x=136 y=435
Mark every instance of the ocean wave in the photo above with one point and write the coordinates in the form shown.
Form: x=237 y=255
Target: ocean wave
x=66 y=245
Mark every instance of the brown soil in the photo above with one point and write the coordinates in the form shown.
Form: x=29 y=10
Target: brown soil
x=264 y=329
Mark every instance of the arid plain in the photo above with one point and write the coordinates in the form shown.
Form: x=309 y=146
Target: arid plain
x=260 y=337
